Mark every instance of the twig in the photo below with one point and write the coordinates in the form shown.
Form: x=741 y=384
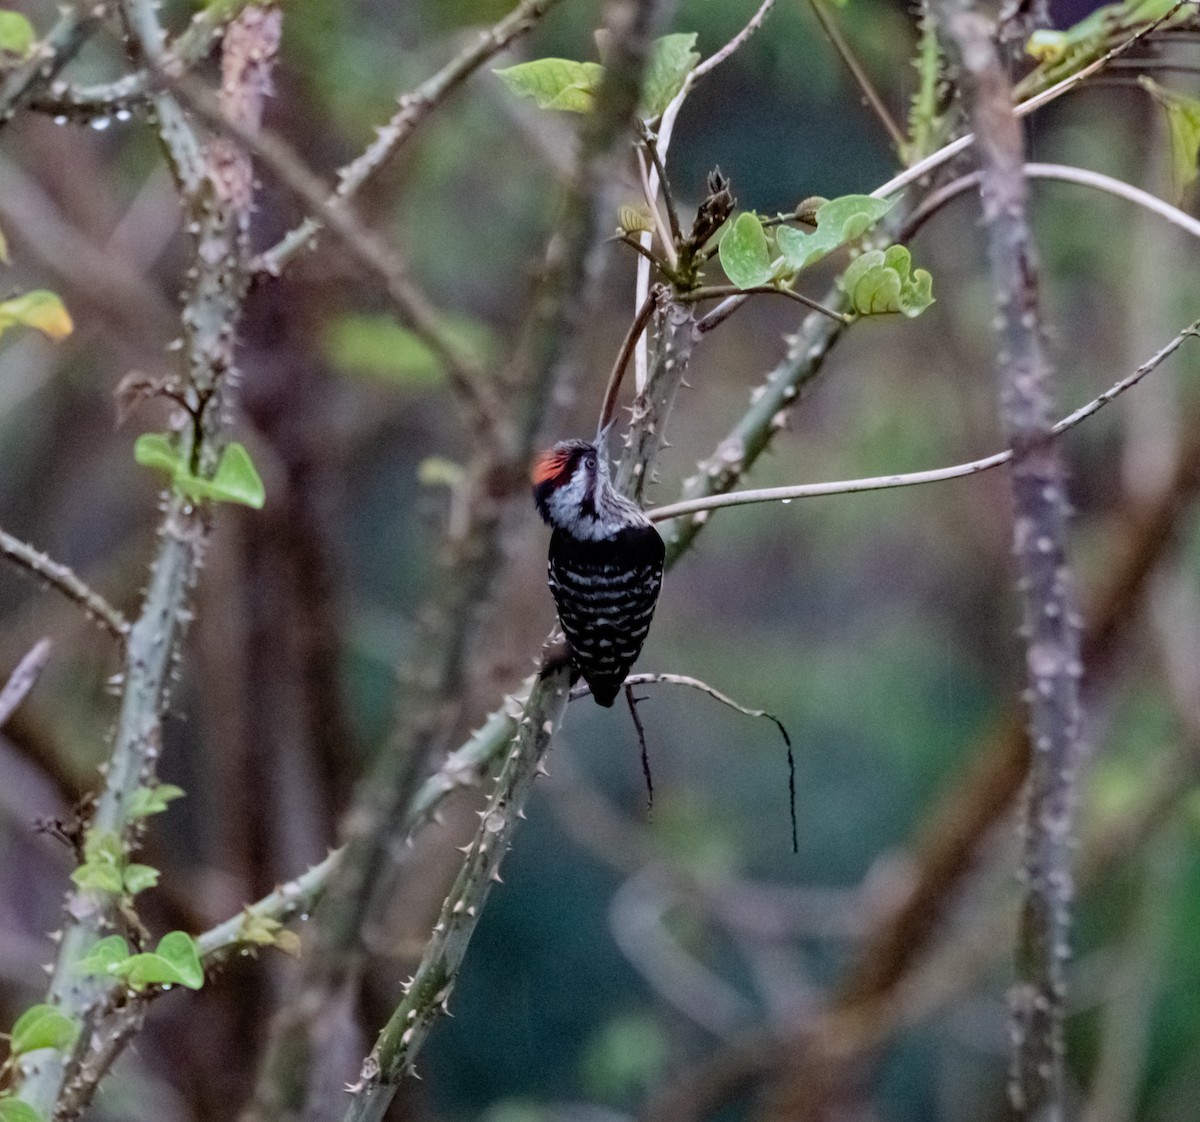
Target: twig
x=910 y=479
x=611 y=393
x=641 y=735
x=23 y=679
x=720 y=313
x=129 y=91
x=865 y=85
x=1050 y=628
x=651 y=146
x=644 y=251
x=64 y=580
x=581 y=690
x=717 y=57
x=725 y=291
x=414 y=107
x=935 y=200
x=660 y=227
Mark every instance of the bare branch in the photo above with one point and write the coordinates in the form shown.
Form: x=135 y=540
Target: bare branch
x=22 y=680
x=910 y=479
x=731 y=292
x=935 y=200
x=428 y=993
x=636 y=329
x=64 y=580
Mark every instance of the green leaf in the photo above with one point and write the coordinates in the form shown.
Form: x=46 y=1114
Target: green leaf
x=555 y=83
x=104 y=877
x=882 y=281
x=42 y=1026
x=153 y=450
x=379 y=347
x=105 y=957
x=17 y=36
x=175 y=962
x=13 y=1110
x=264 y=931
x=153 y=800
x=236 y=479
x=839 y=221
x=139 y=877
x=38 y=309
x=745 y=252
x=1183 y=124
x=672 y=59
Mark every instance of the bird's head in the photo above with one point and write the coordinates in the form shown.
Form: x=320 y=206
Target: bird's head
x=567 y=480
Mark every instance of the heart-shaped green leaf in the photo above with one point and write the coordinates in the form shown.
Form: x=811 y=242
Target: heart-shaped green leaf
x=105 y=957
x=839 y=221
x=883 y=281
x=42 y=1026
x=153 y=450
x=745 y=252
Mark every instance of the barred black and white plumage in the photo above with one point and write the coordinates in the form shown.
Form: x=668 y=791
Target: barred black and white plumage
x=605 y=565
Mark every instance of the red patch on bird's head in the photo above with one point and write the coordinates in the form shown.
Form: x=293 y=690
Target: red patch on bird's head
x=550 y=466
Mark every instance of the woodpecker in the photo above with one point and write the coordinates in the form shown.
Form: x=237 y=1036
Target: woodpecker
x=606 y=563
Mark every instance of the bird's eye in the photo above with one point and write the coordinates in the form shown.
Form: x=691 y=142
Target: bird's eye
x=589 y=461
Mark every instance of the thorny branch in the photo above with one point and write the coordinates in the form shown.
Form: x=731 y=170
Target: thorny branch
x=414 y=107
x=64 y=580
x=216 y=188
x=1050 y=621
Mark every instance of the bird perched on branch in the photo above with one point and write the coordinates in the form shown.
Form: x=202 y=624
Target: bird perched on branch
x=605 y=566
